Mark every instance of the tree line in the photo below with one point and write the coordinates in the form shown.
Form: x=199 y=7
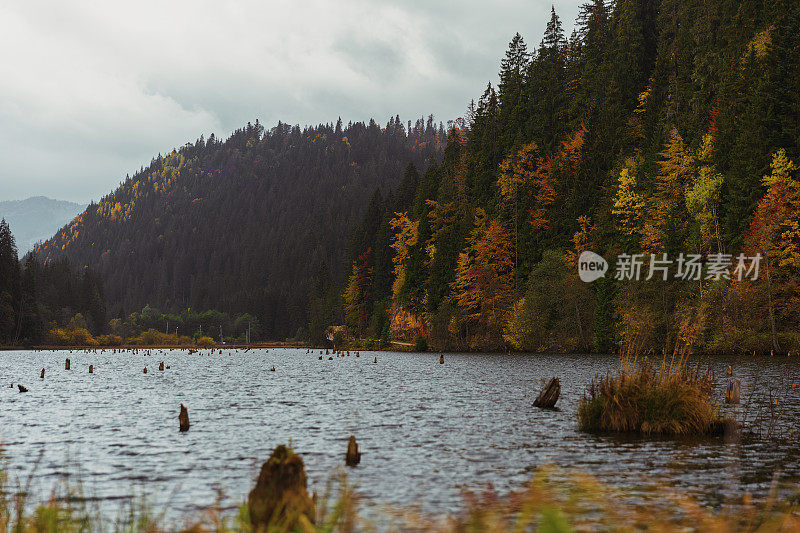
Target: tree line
x=35 y=297
x=657 y=129
x=242 y=225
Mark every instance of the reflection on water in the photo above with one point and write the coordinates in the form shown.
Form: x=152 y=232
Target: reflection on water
x=426 y=430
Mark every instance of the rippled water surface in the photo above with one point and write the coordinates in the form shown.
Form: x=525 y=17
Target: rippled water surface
x=426 y=430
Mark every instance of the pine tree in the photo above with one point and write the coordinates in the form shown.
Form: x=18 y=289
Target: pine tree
x=664 y=229
x=513 y=69
x=10 y=287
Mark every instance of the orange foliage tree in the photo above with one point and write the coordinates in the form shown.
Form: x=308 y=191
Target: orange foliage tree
x=485 y=276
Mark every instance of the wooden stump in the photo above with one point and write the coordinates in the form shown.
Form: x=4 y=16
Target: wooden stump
x=549 y=395
x=42 y=376
x=280 y=497
x=161 y=365
x=21 y=388
x=66 y=365
x=441 y=359
x=91 y=369
x=353 y=456
x=734 y=391
x=183 y=418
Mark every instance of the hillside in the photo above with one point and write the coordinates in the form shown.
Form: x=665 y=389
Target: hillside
x=657 y=127
x=241 y=225
x=36 y=219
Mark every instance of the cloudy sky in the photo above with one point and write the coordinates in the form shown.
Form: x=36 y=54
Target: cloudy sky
x=91 y=90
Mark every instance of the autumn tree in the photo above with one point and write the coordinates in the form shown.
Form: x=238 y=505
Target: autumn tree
x=703 y=195
x=665 y=226
x=775 y=233
x=628 y=207
x=357 y=291
x=484 y=277
x=406 y=236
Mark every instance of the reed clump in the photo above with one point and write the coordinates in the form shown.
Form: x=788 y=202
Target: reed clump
x=673 y=399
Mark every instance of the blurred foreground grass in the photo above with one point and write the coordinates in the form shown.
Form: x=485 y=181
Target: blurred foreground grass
x=554 y=500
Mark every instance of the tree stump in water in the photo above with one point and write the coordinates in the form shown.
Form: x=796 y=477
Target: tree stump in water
x=21 y=388
x=91 y=369
x=441 y=359
x=353 y=456
x=42 y=376
x=734 y=391
x=183 y=418
x=549 y=395
x=161 y=365
x=280 y=497
x=66 y=365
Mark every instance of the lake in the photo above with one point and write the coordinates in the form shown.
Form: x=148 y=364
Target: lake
x=426 y=431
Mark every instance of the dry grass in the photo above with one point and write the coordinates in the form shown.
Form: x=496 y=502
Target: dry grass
x=674 y=399
x=555 y=500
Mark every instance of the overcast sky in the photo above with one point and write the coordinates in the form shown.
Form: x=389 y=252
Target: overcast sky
x=92 y=90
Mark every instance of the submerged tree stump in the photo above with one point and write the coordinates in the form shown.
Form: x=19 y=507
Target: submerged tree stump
x=353 y=456
x=441 y=359
x=161 y=365
x=42 y=376
x=66 y=365
x=280 y=497
x=183 y=418
x=734 y=391
x=549 y=395
x=21 y=388
x=91 y=369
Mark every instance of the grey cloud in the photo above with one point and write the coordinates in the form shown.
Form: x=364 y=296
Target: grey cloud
x=94 y=90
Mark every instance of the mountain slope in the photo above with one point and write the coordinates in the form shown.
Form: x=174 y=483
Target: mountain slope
x=37 y=218
x=658 y=128
x=241 y=225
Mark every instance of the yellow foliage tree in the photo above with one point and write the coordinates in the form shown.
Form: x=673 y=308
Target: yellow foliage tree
x=406 y=236
x=702 y=197
x=628 y=203
x=666 y=213
x=357 y=290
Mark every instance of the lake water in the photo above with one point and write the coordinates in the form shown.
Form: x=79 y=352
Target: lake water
x=426 y=430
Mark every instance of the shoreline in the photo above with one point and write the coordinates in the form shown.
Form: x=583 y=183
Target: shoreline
x=396 y=347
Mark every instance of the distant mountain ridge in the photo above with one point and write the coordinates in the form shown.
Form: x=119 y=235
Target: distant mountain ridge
x=37 y=218
x=242 y=225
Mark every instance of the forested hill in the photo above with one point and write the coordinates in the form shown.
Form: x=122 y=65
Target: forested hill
x=242 y=225
x=657 y=127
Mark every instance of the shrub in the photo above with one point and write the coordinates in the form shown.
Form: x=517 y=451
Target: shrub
x=110 y=340
x=75 y=337
x=205 y=341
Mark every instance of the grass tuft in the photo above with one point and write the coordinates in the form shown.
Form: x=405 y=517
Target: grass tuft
x=672 y=400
